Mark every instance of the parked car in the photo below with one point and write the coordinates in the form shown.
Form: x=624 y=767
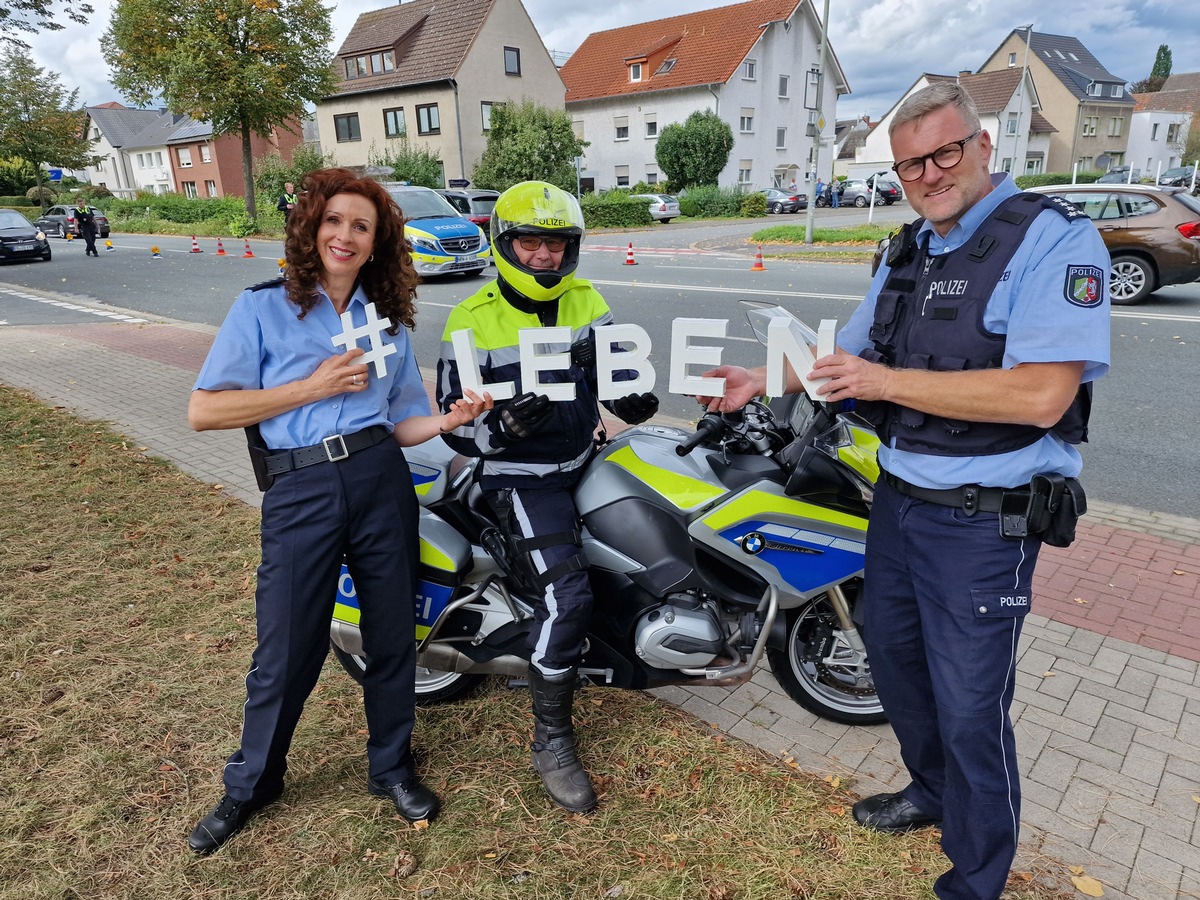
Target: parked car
x=20 y=238
x=1180 y=176
x=1119 y=175
x=60 y=220
x=886 y=188
x=443 y=242
x=785 y=201
x=1152 y=234
x=663 y=207
x=475 y=205
x=853 y=191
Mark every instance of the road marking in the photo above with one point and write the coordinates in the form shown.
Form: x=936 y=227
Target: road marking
x=1157 y=317
x=104 y=313
x=729 y=290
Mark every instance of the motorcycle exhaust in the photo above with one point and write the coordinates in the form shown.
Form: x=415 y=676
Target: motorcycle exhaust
x=445 y=658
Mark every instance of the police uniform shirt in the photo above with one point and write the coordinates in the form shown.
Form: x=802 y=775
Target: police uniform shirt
x=1031 y=305
x=262 y=344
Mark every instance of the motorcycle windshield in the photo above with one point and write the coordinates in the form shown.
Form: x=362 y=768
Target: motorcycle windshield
x=759 y=314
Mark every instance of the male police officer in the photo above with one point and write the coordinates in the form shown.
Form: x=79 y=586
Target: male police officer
x=968 y=355
x=534 y=450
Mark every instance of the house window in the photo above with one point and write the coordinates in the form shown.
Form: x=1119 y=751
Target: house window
x=622 y=173
x=141 y=160
x=750 y=70
x=783 y=85
x=1090 y=124
x=393 y=122
x=744 y=167
x=1085 y=163
x=651 y=177
x=652 y=125
x=1012 y=122
x=95 y=134
x=351 y=71
x=210 y=188
x=205 y=154
x=1114 y=126
x=158 y=158
x=666 y=66
x=621 y=124
x=746 y=121
x=1173 y=133
x=1006 y=164
x=428 y=120
x=189 y=188
x=1153 y=134
x=99 y=165
x=184 y=155
x=512 y=61
x=346 y=128
x=1095 y=89
x=1114 y=90
x=1012 y=60
x=635 y=71
x=780 y=138
x=370 y=64
x=485 y=113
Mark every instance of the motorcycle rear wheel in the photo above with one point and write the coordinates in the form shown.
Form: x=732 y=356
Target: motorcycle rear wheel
x=433 y=686
x=830 y=691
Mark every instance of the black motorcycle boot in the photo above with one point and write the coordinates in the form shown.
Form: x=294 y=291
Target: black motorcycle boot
x=553 y=747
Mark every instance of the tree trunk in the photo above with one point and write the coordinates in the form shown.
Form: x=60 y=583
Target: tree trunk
x=248 y=171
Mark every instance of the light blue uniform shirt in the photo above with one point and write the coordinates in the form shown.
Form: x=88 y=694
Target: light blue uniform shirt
x=262 y=344
x=1032 y=307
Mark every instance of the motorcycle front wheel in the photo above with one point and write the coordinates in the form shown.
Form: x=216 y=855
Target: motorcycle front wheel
x=820 y=671
x=433 y=686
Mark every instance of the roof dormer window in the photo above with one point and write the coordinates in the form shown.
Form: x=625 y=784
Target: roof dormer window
x=635 y=71
x=1095 y=89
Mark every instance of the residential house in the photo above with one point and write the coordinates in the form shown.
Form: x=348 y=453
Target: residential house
x=1087 y=105
x=432 y=71
x=163 y=152
x=754 y=64
x=1161 y=123
x=1008 y=112
x=848 y=136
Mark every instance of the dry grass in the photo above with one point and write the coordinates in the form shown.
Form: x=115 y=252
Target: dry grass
x=124 y=637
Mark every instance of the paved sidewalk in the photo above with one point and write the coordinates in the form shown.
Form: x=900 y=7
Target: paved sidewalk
x=1107 y=708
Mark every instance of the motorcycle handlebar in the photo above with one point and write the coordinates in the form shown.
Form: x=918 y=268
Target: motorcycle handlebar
x=710 y=425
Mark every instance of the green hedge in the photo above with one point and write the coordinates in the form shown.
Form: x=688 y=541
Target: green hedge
x=29 y=212
x=615 y=209
x=1028 y=181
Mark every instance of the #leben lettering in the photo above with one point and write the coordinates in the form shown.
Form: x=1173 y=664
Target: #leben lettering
x=627 y=347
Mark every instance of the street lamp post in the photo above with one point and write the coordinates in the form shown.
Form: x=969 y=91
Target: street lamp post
x=821 y=58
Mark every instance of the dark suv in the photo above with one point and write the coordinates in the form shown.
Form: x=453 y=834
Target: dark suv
x=1180 y=176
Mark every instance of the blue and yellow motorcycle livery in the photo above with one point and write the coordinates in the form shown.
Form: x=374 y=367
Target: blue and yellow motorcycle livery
x=707 y=552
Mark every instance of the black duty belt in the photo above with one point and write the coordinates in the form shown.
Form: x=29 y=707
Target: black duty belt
x=332 y=449
x=969 y=497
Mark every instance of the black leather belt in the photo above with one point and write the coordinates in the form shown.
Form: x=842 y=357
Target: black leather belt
x=970 y=497
x=332 y=449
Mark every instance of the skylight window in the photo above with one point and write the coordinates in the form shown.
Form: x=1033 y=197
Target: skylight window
x=667 y=66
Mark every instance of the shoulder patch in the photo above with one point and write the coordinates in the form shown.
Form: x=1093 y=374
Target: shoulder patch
x=263 y=285
x=1063 y=207
x=1084 y=285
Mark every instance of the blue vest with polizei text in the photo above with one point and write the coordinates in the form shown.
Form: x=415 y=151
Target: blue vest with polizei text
x=929 y=315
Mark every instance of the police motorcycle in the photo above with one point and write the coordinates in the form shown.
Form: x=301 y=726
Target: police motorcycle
x=707 y=552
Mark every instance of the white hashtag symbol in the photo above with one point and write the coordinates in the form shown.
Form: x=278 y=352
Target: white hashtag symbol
x=372 y=330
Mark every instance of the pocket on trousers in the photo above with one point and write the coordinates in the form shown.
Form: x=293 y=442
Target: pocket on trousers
x=992 y=604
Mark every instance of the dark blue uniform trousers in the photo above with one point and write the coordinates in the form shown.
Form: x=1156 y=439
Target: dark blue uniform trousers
x=363 y=507
x=564 y=612
x=943 y=604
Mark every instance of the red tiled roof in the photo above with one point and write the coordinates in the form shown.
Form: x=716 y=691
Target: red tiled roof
x=430 y=39
x=707 y=47
x=991 y=91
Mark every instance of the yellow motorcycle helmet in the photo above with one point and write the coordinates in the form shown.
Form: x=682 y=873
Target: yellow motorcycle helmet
x=536 y=207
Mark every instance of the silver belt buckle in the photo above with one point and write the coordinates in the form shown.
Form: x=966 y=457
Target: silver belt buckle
x=335 y=448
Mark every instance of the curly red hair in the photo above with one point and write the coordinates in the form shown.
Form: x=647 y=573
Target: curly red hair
x=389 y=278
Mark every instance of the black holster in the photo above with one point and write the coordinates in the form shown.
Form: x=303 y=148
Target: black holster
x=259 y=451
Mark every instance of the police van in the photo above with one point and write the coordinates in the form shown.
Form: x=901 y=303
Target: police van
x=443 y=242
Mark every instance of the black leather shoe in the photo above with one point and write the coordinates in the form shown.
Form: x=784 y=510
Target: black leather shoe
x=891 y=812
x=227 y=819
x=414 y=802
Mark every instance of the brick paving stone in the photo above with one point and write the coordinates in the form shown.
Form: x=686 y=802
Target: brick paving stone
x=1118 y=839
x=1059 y=684
x=1154 y=871
x=1086 y=709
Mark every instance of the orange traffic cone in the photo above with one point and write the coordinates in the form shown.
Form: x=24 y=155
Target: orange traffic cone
x=629 y=260
x=247 y=254
x=221 y=248
x=154 y=253
x=282 y=265
x=758 y=263
x=195 y=245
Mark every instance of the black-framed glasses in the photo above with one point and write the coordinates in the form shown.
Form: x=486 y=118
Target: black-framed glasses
x=945 y=157
x=532 y=241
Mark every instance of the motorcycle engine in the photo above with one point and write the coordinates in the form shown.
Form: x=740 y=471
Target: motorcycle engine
x=684 y=633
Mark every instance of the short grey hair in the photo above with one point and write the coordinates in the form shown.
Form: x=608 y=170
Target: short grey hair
x=932 y=98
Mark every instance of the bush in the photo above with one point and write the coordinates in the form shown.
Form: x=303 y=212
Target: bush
x=712 y=202
x=1028 y=181
x=754 y=205
x=615 y=209
x=43 y=195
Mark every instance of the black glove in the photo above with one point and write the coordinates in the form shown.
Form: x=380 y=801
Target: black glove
x=635 y=408
x=523 y=415
x=583 y=353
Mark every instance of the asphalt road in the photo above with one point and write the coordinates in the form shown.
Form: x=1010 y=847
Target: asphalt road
x=1146 y=416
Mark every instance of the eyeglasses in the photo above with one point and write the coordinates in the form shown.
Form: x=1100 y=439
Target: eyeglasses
x=533 y=241
x=945 y=157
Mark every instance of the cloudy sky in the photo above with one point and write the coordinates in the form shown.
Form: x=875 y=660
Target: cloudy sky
x=883 y=45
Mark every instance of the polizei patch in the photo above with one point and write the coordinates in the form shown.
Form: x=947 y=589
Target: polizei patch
x=1084 y=285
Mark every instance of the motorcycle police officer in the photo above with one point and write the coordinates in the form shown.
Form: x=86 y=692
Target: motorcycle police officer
x=972 y=355
x=534 y=450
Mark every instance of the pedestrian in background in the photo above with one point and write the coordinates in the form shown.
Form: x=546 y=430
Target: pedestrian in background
x=287 y=202
x=85 y=222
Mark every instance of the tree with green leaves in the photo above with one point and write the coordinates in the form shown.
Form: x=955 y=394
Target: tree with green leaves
x=244 y=66
x=528 y=142
x=1159 y=72
x=32 y=16
x=695 y=152
x=416 y=165
x=40 y=121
